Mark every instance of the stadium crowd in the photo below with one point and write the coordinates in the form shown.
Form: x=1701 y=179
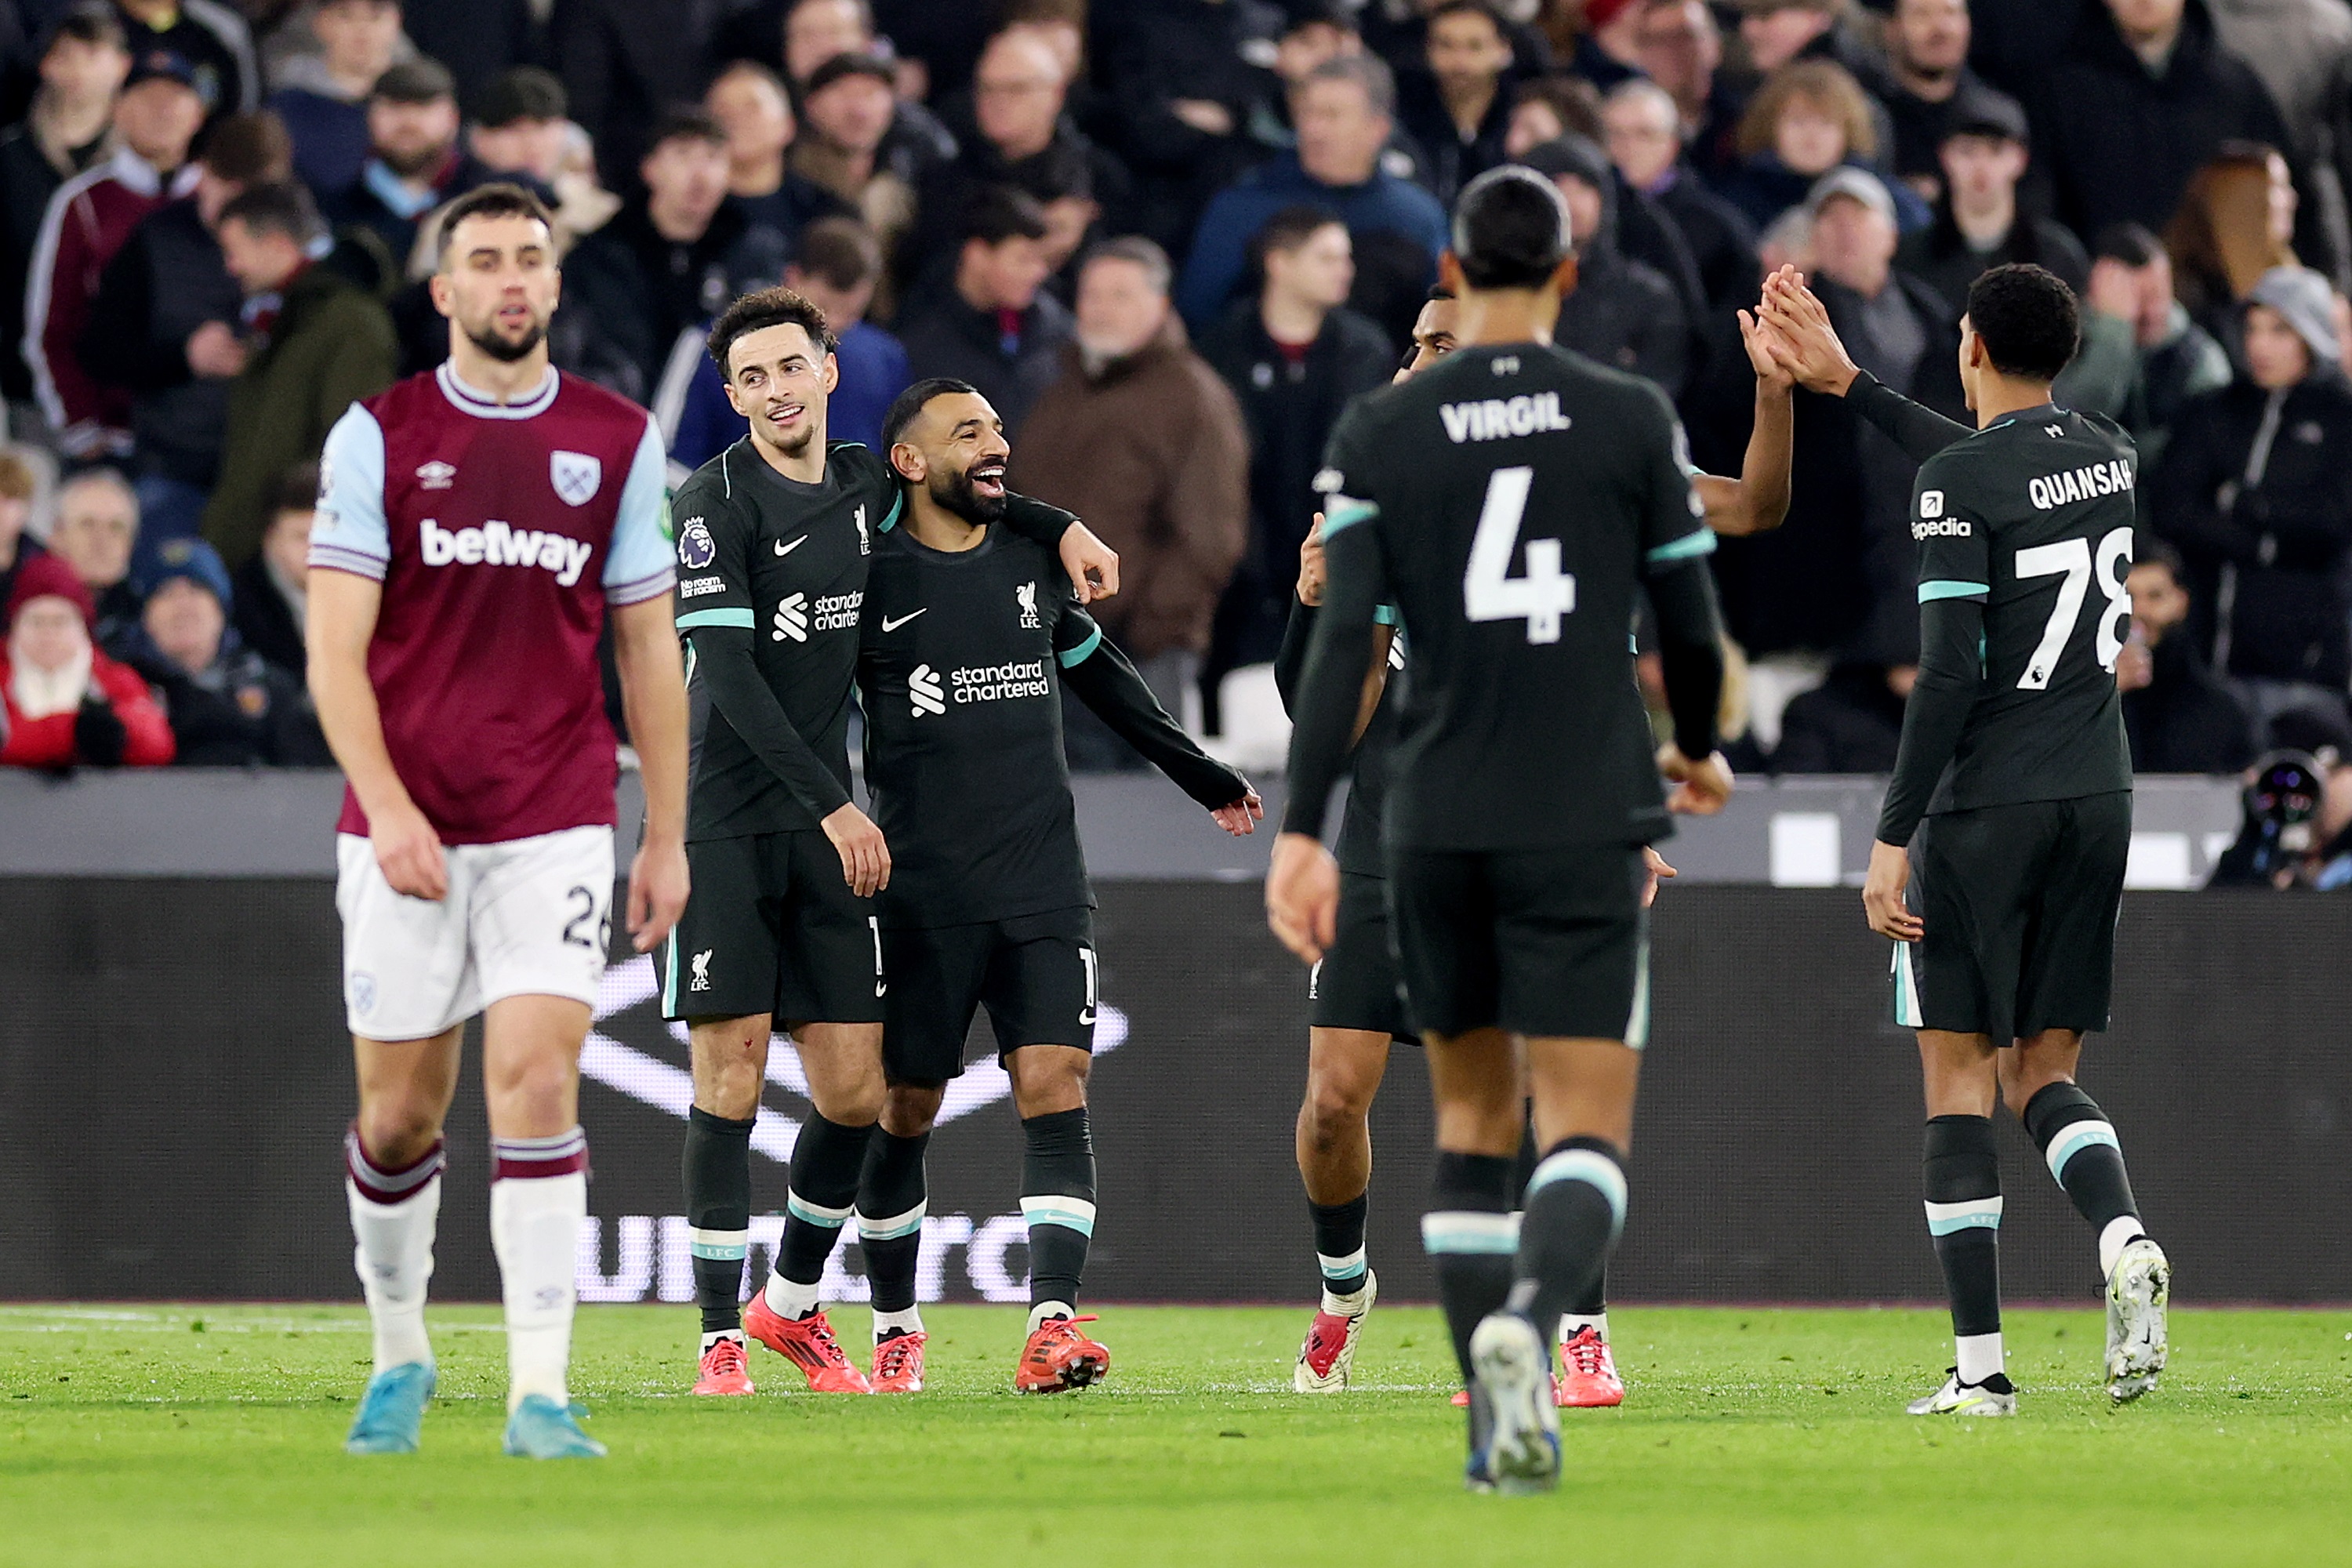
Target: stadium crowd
x=1169 y=239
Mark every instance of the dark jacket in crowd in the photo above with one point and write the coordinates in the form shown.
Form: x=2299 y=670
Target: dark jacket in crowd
x=943 y=334
x=167 y=281
x=28 y=180
x=2120 y=143
x=1921 y=127
x=1453 y=162
x=477 y=39
x=1624 y=314
x=1072 y=164
x=1721 y=241
x=1763 y=187
x=2267 y=553
x=241 y=712
x=625 y=63
x=1851 y=723
x=374 y=234
x=1147 y=57
x=2185 y=719
x=629 y=292
x=265 y=620
x=1941 y=257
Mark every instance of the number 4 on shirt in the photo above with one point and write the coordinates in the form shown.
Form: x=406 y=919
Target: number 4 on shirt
x=1489 y=592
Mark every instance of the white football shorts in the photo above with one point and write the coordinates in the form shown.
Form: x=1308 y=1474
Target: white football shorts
x=530 y=917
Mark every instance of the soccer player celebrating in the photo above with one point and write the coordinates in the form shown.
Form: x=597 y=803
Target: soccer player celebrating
x=2011 y=803
x=1509 y=502
x=1354 y=990
x=775 y=538
x=476 y=526
x=970 y=635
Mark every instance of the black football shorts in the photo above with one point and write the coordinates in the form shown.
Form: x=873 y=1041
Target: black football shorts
x=1545 y=942
x=1356 y=984
x=1034 y=974
x=771 y=927
x=2019 y=904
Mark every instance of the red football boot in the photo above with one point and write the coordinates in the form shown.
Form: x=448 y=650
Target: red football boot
x=1328 y=1359
x=726 y=1368
x=1058 y=1356
x=806 y=1342
x=1588 y=1377
x=898 y=1364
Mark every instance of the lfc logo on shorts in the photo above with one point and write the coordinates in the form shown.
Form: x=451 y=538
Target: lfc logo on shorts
x=576 y=476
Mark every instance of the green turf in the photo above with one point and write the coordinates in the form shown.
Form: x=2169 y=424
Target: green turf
x=188 y=1436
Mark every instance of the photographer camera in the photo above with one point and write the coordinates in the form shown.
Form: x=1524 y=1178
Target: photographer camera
x=2298 y=825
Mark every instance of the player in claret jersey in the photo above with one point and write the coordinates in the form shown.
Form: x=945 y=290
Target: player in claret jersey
x=774 y=538
x=971 y=633
x=475 y=526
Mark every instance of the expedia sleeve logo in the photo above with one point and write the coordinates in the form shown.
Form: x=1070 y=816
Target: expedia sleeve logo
x=696 y=549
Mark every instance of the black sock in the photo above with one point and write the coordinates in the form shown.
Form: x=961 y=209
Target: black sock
x=718 y=1172
x=1340 y=1243
x=1470 y=1240
x=892 y=1194
x=2078 y=1143
x=1057 y=1197
x=825 y=1164
x=1576 y=1206
x=1962 y=1176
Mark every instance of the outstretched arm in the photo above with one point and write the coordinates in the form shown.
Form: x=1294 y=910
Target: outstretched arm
x=1803 y=341
x=1758 y=501
x=1106 y=682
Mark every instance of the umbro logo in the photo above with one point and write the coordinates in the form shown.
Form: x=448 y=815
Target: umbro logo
x=889 y=624
x=925 y=692
x=791 y=619
x=784 y=548
x=435 y=475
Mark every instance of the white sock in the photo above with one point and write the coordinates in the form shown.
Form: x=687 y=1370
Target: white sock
x=1570 y=1325
x=1979 y=1356
x=711 y=1339
x=2120 y=1233
x=1346 y=1306
x=394 y=1259
x=1045 y=1309
x=789 y=1301
x=909 y=1321
x=535 y=1229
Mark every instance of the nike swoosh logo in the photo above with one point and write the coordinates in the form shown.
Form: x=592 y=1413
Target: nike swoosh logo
x=891 y=626
x=784 y=548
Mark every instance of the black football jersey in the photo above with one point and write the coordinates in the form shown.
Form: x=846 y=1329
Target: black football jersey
x=1517 y=496
x=2033 y=517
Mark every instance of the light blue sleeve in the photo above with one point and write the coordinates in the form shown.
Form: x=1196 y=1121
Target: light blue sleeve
x=349 y=532
x=642 y=563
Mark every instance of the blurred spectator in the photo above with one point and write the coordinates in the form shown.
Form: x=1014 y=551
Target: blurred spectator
x=1979 y=224
x=1194 y=100
x=1805 y=120
x=638 y=292
x=1019 y=135
x=989 y=320
x=1315 y=35
x=2255 y=491
x=2179 y=716
x=67 y=703
x=211 y=36
x=155 y=117
x=1343 y=116
x=67 y=132
x=414 y=165
x=322 y=98
x=1141 y=439
x=625 y=63
x=1623 y=313
x=228 y=708
x=479 y=40
x=2301 y=51
x=2142 y=357
x=2236 y=221
x=749 y=101
x=817 y=32
x=1609 y=49
x=2139 y=97
x=315 y=344
x=848 y=110
x=1398 y=31
x=163 y=328
x=95 y=530
x=1645 y=145
x=1851 y=723
x=1932 y=89
x=1778 y=32
x=1548 y=110
x=523 y=131
x=1460 y=107
x=1294 y=356
x=270 y=595
x=17 y=486
x=1682 y=51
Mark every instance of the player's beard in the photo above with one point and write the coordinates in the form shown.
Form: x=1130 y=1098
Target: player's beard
x=795 y=446
x=506 y=351
x=956 y=493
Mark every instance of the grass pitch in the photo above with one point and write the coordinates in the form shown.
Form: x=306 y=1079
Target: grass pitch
x=202 y=1435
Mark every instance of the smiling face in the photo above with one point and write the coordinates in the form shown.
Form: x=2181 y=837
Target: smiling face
x=955 y=448
x=499 y=283
x=777 y=378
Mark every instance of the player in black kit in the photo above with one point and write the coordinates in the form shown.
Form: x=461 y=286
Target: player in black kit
x=774 y=538
x=2010 y=802
x=970 y=634
x=1509 y=502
